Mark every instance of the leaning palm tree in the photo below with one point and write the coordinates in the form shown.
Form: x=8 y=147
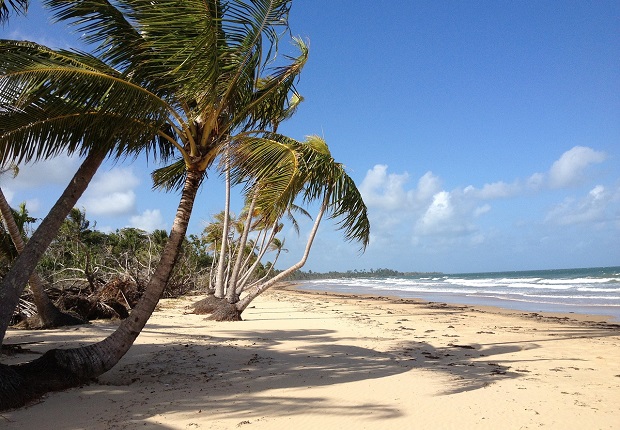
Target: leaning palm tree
x=197 y=65
x=45 y=112
x=312 y=175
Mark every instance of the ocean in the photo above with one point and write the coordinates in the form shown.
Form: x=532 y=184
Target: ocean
x=592 y=291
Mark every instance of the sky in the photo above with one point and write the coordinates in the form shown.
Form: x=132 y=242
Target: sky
x=483 y=135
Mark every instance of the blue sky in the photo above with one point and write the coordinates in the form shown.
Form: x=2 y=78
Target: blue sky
x=484 y=136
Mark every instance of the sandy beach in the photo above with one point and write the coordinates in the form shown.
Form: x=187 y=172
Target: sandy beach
x=318 y=361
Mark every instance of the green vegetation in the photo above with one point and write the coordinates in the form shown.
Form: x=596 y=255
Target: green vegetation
x=371 y=273
x=198 y=87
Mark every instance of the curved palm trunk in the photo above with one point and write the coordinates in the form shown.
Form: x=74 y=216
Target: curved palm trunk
x=59 y=369
x=263 y=250
x=15 y=281
x=258 y=290
x=49 y=314
x=231 y=293
x=232 y=312
x=220 y=275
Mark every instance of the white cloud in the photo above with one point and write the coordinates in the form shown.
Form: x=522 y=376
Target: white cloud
x=114 y=180
x=536 y=181
x=590 y=209
x=433 y=218
x=55 y=171
x=383 y=190
x=481 y=210
x=118 y=203
x=149 y=220
x=438 y=214
x=570 y=168
x=443 y=216
x=428 y=186
x=496 y=190
x=111 y=193
x=425 y=208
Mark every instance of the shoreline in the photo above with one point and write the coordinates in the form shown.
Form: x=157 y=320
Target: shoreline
x=313 y=359
x=569 y=317
x=595 y=313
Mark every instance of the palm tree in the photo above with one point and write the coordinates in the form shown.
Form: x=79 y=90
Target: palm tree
x=14 y=282
x=312 y=175
x=44 y=113
x=194 y=64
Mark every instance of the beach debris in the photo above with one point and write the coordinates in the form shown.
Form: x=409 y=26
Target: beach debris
x=454 y=345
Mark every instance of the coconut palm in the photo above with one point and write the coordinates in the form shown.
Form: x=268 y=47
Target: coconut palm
x=194 y=64
x=43 y=113
x=313 y=176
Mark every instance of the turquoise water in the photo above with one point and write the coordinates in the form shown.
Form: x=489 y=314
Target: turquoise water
x=584 y=291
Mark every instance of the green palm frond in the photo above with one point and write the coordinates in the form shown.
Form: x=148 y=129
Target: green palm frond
x=244 y=27
x=347 y=205
x=326 y=178
x=170 y=47
x=170 y=177
x=104 y=24
x=276 y=97
x=267 y=164
x=20 y=7
x=281 y=169
x=60 y=101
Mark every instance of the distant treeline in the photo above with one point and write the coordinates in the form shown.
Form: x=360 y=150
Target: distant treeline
x=372 y=273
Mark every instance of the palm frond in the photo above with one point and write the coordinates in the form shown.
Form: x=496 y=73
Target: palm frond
x=170 y=177
x=20 y=7
x=60 y=101
x=276 y=97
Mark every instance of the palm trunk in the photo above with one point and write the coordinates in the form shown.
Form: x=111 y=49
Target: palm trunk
x=219 y=276
x=258 y=290
x=15 y=281
x=231 y=293
x=261 y=253
x=59 y=369
x=49 y=315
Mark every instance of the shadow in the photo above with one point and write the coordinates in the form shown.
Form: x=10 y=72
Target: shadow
x=231 y=371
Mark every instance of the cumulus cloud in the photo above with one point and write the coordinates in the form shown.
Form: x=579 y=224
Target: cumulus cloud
x=111 y=193
x=118 y=203
x=114 y=180
x=438 y=215
x=536 y=181
x=55 y=171
x=590 y=209
x=149 y=220
x=399 y=210
x=443 y=216
x=428 y=186
x=495 y=190
x=570 y=168
x=383 y=190
x=426 y=208
x=481 y=210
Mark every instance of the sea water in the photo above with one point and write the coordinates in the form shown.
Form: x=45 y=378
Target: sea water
x=583 y=291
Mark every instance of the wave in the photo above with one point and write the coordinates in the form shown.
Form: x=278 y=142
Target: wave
x=581 y=281
x=556 y=303
x=581 y=290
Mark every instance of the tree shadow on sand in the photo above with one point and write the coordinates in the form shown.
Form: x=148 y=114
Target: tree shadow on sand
x=232 y=374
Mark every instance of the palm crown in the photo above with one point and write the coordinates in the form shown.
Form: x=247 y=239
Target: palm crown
x=191 y=76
